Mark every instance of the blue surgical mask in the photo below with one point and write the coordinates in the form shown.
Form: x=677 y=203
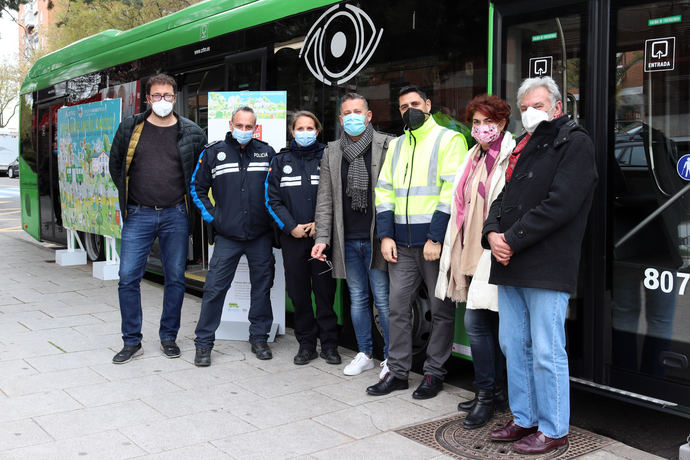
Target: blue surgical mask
x=243 y=137
x=354 y=124
x=305 y=138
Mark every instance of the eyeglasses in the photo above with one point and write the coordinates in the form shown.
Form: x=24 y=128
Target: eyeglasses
x=157 y=97
x=327 y=262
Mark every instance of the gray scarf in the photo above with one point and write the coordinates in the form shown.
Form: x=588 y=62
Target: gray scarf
x=357 y=176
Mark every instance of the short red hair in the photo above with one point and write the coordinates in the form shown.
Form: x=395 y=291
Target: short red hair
x=490 y=106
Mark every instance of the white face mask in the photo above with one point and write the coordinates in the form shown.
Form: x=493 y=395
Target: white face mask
x=532 y=117
x=162 y=108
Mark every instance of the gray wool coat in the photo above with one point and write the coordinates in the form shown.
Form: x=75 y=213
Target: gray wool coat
x=329 y=204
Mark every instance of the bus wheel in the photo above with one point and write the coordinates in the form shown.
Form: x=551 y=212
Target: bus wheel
x=94 y=246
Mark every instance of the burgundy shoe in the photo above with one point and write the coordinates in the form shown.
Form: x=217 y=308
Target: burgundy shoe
x=538 y=443
x=511 y=432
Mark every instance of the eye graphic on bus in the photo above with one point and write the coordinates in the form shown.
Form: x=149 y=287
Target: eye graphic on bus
x=340 y=43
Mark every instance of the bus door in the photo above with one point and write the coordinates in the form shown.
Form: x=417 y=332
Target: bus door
x=649 y=202
x=245 y=71
x=531 y=41
x=47 y=172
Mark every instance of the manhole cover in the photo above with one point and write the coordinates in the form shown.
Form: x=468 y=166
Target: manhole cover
x=448 y=436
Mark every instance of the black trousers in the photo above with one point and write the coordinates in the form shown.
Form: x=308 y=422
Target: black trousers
x=301 y=277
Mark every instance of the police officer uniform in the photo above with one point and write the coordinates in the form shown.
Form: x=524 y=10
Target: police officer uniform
x=291 y=187
x=238 y=215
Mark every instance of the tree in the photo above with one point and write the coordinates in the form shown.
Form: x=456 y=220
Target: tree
x=10 y=79
x=82 y=18
x=10 y=5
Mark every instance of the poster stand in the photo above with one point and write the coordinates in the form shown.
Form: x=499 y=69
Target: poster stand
x=109 y=268
x=71 y=255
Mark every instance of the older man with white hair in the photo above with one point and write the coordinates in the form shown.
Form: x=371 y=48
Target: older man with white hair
x=534 y=230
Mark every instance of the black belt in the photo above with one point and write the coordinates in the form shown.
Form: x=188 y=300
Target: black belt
x=157 y=208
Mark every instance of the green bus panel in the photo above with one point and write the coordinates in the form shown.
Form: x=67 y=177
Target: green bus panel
x=197 y=23
x=461 y=343
x=28 y=195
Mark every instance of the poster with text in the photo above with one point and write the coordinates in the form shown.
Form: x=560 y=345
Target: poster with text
x=270 y=108
x=88 y=195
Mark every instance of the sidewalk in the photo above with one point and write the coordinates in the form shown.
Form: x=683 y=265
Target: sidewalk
x=60 y=396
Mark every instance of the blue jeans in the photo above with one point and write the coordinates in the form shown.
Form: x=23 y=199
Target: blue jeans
x=487 y=359
x=532 y=336
x=140 y=229
x=359 y=278
x=222 y=267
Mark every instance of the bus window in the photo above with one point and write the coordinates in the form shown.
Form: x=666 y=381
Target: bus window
x=549 y=47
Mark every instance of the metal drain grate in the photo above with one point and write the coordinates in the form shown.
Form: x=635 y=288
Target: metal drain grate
x=448 y=436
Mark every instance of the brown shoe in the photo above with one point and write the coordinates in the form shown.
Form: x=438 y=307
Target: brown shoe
x=511 y=432
x=538 y=443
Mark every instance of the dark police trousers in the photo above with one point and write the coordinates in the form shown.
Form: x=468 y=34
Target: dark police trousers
x=222 y=267
x=301 y=276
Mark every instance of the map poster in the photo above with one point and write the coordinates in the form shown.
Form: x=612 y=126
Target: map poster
x=88 y=195
x=270 y=108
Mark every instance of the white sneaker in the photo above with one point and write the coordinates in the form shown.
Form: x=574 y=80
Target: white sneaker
x=384 y=368
x=358 y=365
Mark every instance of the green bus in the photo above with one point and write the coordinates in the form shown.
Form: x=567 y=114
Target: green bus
x=622 y=66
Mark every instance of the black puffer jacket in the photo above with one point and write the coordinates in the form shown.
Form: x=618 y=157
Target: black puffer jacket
x=543 y=209
x=190 y=142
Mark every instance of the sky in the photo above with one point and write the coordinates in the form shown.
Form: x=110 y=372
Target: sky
x=9 y=50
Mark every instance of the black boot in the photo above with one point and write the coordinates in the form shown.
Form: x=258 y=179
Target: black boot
x=482 y=411
x=467 y=406
x=501 y=398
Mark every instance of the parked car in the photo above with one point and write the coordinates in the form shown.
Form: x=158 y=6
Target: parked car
x=13 y=169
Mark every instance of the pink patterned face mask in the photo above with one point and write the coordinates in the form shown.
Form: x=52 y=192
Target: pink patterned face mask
x=485 y=134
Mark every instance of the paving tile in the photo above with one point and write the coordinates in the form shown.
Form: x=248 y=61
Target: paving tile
x=286 y=441
x=186 y=431
x=48 y=322
x=122 y=390
x=384 y=446
x=353 y=391
x=629 y=453
x=7 y=300
x=34 y=405
x=285 y=409
x=61 y=309
x=21 y=433
x=216 y=374
x=192 y=401
x=204 y=451
x=444 y=403
x=100 y=446
x=292 y=381
x=392 y=413
x=100 y=329
x=13 y=351
x=22 y=316
x=19 y=307
x=72 y=360
x=352 y=422
x=16 y=368
x=82 y=422
x=58 y=380
x=151 y=363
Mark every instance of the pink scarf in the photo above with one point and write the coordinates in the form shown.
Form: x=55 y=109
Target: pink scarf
x=482 y=189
